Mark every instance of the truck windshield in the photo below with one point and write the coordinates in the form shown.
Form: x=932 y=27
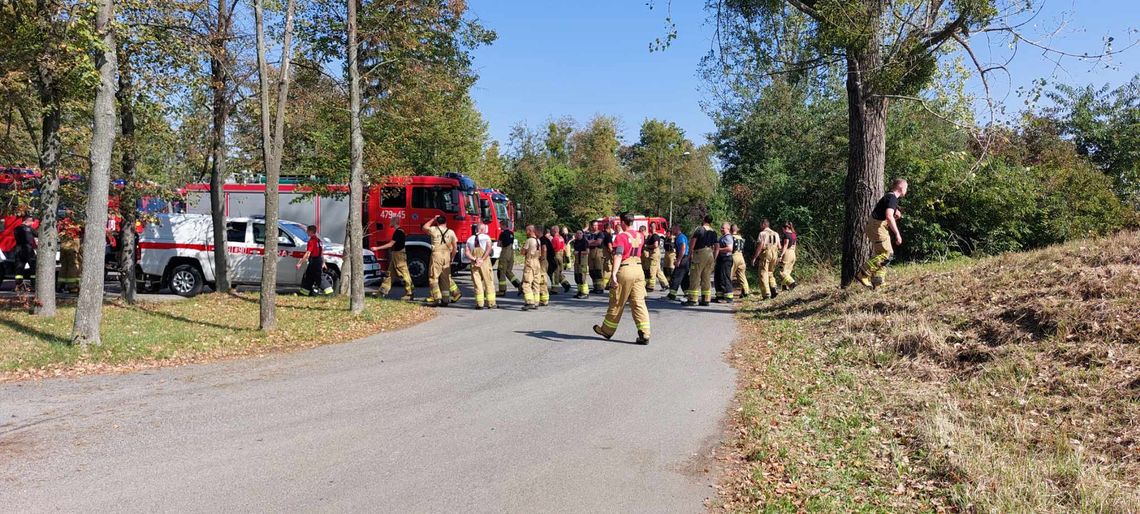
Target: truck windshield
x=296 y=230
x=438 y=198
x=501 y=211
x=472 y=204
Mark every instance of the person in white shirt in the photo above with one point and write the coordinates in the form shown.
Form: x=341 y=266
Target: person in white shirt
x=478 y=252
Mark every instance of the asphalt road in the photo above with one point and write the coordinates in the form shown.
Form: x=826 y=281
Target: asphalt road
x=475 y=411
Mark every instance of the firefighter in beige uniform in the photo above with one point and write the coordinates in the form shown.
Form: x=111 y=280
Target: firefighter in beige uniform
x=768 y=254
x=628 y=281
x=532 y=285
x=397 y=264
x=739 y=266
x=478 y=251
x=704 y=242
x=443 y=246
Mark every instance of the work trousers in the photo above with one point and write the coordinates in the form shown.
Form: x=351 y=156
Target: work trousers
x=607 y=267
x=629 y=289
x=398 y=266
x=679 y=279
x=534 y=283
x=882 y=252
x=314 y=278
x=786 y=266
x=740 y=272
x=439 y=278
x=24 y=257
x=668 y=263
x=582 y=272
x=482 y=278
x=596 y=268
x=651 y=265
x=507 y=271
x=556 y=269
x=700 y=283
x=723 y=271
x=768 y=271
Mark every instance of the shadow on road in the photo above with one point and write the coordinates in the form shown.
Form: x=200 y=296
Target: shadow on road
x=550 y=335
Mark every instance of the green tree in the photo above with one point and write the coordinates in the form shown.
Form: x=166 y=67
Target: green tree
x=593 y=153
x=1104 y=125
x=887 y=49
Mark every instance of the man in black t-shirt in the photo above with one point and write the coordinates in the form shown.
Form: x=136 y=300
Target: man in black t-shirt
x=24 y=252
x=704 y=241
x=397 y=264
x=881 y=225
x=507 y=262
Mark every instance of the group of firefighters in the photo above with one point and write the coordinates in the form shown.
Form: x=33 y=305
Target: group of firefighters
x=629 y=262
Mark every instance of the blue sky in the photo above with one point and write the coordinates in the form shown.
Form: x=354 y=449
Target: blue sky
x=586 y=57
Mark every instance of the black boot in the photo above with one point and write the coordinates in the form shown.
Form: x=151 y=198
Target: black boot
x=641 y=339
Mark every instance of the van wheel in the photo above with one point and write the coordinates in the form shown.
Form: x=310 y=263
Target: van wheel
x=331 y=276
x=186 y=281
x=419 y=263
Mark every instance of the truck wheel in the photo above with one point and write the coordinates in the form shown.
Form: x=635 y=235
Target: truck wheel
x=186 y=281
x=419 y=263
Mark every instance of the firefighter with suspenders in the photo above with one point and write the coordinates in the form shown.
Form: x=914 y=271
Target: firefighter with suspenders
x=628 y=281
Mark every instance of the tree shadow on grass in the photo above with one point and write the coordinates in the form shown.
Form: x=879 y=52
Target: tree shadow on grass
x=20 y=327
x=257 y=300
x=797 y=308
x=174 y=317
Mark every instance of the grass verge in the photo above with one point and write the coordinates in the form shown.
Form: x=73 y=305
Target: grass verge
x=1007 y=384
x=203 y=328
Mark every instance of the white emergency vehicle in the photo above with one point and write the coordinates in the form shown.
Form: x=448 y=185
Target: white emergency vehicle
x=177 y=252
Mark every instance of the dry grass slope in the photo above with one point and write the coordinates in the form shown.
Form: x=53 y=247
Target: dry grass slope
x=1007 y=384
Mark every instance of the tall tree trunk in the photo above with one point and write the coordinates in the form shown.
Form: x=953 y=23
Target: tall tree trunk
x=219 y=83
x=353 y=248
x=128 y=209
x=51 y=102
x=273 y=144
x=866 y=155
x=89 y=309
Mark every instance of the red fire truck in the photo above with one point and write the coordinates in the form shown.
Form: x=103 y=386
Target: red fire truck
x=409 y=202
x=653 y=223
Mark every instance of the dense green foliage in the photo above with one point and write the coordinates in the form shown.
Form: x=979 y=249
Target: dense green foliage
x=572 y=175
x=785 y=159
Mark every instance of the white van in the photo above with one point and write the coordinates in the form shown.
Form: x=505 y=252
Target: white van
x=176 y=252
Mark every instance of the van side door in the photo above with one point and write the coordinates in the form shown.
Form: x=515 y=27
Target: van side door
x=241 y=255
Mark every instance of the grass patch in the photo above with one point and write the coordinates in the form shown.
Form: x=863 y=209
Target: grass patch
x=1006 y=384
x=203 y=328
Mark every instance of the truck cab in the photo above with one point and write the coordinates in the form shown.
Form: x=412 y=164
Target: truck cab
x=409 y=202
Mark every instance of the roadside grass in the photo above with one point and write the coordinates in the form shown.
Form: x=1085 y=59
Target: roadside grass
x=1005 y=384
x=206 y=327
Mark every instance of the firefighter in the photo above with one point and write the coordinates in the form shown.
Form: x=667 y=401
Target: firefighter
x=545 y=252
x=443 y=246
x=704 y=240
x=313 y=281
x=507 y=262
x=594 y=237
x=581 y=248
x=532 y=269
x=607 y=253
x=556 y=260
x=739 y=266
x=628 y=279
x=679 y=279
x=478 y=251
x=647 y=253
x=397 y=264
x=767 y=253
x=669 y=258
x=24 y=252
x=656 y=270
x=70 y=255
x=725 y=248
x=882 y=223
x=788 y=256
